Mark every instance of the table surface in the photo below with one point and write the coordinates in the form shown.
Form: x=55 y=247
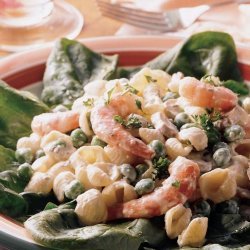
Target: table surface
x=94 y=23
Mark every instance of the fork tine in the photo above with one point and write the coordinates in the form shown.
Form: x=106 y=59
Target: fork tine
x=161 y=23
x=130 y=10
x=137 y=23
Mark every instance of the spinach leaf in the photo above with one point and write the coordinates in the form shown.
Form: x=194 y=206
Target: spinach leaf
x=7 y=159
x=17 y=108
x=228 y=229
x=11 y=180
x=204 y=53
x=59 y=228
x=11 y=203
x=239 y=88
x=69 y=67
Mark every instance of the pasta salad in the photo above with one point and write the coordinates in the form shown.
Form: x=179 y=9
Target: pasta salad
x=154 y=145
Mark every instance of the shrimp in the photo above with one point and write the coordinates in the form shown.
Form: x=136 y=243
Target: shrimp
x=206 y=95
x=176 y=189
x=61 y=121
x=112 y=132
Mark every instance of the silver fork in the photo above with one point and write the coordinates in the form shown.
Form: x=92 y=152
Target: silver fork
x=158 y=21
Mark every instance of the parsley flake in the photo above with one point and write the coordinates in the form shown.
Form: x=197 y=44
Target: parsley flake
x=119 y=119
x=109 y=93
x=150 y=79
x=131 y=89
x=138 y=104
x=176 y=184
x=89 y=102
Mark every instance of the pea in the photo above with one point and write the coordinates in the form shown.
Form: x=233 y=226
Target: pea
x=73 y=189
x=222 y=157
x=201 y=207
x=144 y=186
x=39 y=153
x=25 y=171
x=98 y=142
x=24 y=155
x=128 y=172
x=234 y=133
x=189 y=125
x=141 y=169
x=227 y=207
x=181 y=119
x=169 y=95
x=79 y=138
x=158 y=147
x=220 y=145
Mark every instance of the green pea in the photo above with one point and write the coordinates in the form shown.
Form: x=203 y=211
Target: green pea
x=201 y=207
x=39 y=153
x=73 y=189
x=219 y=145
x=98 y=142
x=144 y=186
x=141 y=169
x=25 y=171
x=234 y=133
x=222 y=157
x=181 y=119
x=169 y=95
x=227 y=207
x=24 y=155
x=128 y=172
x=78 y=137
x=158 y=147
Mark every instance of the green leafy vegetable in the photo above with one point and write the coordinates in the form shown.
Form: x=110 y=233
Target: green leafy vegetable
x=204 y=53
x=11 y=203
x=237 y=87
x=58 y=228
x=120 y=120
x=69 y=67
x=131 y=89
x=7 y=159
x=17 y=108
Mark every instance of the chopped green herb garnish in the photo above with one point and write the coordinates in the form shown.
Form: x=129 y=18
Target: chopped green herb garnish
x=160 y=167
x=206 y=123
x=120 y=120
x=109 y=93
x=133 y=122
x=210 y=79
x=138 y=104
x=176 y=184
x=89 y=102
x=150 y=79
x=131 y=89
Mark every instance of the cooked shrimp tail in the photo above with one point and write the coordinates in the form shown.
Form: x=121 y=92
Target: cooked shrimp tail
x=206 y=95
x=61 y=121
x=112 y=132
x=176 y=189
